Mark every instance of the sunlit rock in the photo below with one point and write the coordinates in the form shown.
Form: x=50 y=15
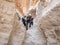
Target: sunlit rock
x=46 y=28
x=50 y=24
x=11 y=32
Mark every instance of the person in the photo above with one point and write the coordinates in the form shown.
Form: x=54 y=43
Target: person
x=31 y=21
x=28 y=20
x=24 y=20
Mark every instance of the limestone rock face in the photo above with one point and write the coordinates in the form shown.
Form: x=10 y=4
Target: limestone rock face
x=32 y=12
x=45 y=3
x=18 y=33
x=6 y=21
x=46 y=28
x=24 y=5
x=10 y=0
x=50 y=25
x=10 y=31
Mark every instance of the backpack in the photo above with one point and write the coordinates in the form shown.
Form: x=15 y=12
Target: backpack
x=28 y=17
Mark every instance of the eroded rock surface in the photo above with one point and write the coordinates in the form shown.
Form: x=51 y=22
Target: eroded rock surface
x=46 y=28
x=10 y=31
x=50 y=24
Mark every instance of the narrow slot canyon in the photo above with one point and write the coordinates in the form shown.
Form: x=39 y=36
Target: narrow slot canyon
x=43 y=28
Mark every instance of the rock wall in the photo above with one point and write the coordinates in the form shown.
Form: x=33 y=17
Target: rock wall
x=17 y=35
x=50 y=25
x=24 y=5
x=10 y=0
x=11 y=31
x=32 y=12
x=45 y=31
x=6 y=21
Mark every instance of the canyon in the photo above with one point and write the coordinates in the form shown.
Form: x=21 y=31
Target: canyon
x=46 y=28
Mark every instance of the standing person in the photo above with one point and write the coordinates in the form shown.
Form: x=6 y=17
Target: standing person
x=31 y=21
x=24 y=22
x=28 y=20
